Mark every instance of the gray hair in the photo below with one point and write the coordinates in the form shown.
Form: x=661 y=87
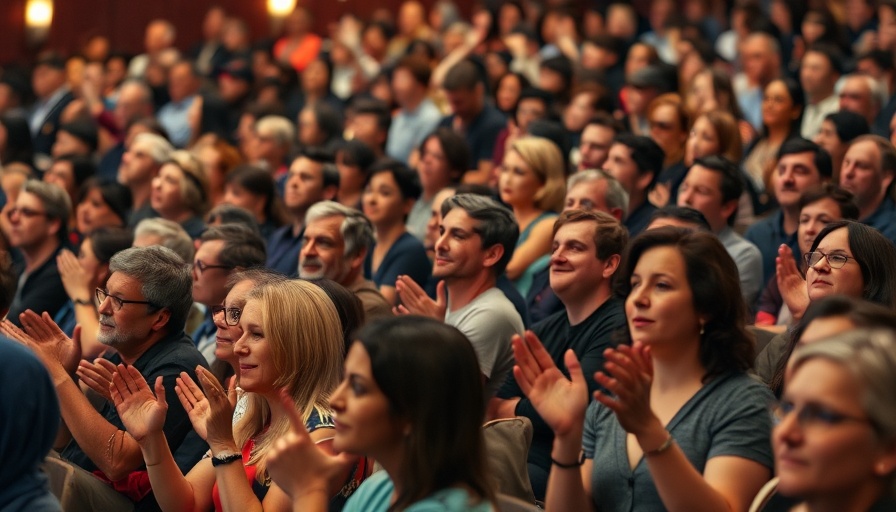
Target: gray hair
x=139 y=85
x=158 y=148
x=877 y=90
x=356 y=230
x=495 y=223
x=279 y=127
x=56 y=201
x=172 y=235
x=167 y=281
x=617 y=197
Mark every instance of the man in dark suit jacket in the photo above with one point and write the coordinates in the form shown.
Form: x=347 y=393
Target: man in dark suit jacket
x=53 y=95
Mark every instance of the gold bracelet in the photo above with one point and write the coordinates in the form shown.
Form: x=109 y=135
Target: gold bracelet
x=663 y=447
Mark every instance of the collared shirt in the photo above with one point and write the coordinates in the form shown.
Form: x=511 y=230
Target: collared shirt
x=173 y=117
x=813 y=115
x=409 y=128
x=43 y=108
x=768 y=234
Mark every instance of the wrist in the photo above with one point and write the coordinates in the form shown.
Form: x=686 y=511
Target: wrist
x=223 y=448
x=653 y=438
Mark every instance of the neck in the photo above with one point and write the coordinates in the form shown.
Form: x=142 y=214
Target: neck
x=869 y=209
x=413 y=101
x=676 y=366
x=777 y=134
x=130 y=354
x=577 y=311
x=860 y=499
x=178 y=216
x=819 y=96
x=141 y=192
x=38 y=255
x=525 y=214
x=467 y=119
x=463 y=291
x=389 y=234
x=791 y=217
x=354 y=276
x=298 y=221
x=635 y=200
x=350 y=199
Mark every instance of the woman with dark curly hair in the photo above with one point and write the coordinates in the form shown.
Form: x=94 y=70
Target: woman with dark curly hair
x=677 y=425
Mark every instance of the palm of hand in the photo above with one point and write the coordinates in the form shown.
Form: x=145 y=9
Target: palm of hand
x=141 y=413
x=554 y=396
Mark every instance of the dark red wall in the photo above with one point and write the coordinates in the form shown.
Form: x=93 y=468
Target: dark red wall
x=123 y=21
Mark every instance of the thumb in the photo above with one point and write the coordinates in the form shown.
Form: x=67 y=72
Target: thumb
x=76 y=335
x=295 y=419
x=160 y=392
x=441 y=295
x=575 y=369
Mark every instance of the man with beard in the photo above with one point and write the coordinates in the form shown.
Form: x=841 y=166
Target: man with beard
x=142 y=313
x=334 y=246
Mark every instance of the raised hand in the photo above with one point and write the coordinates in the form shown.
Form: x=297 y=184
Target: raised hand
x=97 y=376
x=141 y=412
x=299 y=466
x=209 y=408
x=628 y=374
x=791 y=283
x=561 y=402
x=74 y=279
x=45 y=332
x=414 y=300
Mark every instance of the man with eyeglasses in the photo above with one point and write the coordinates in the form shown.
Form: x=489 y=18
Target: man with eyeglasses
x=142 y=312
x=39 y=230
x=223 y=250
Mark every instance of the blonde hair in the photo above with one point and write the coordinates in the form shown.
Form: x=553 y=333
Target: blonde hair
x=546 y=161
x=194 y=184
x=303 y=329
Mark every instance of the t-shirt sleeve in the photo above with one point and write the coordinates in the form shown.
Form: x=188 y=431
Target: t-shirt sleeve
x=589 y=434
x=744 y=426
x=489 y=336
x=408 y=258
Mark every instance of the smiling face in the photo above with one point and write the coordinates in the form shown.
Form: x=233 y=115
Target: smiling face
x=823 y=458
x=459 y=251
x=518 y=183
x=257 y=369
x=227 y=335
x=364 y=423
x=822 y=280
x=660 y=306
x=575 y=270
x=702 y=141
x=323 y=250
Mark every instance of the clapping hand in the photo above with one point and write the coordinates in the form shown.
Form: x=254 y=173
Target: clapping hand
x=628 y=374
x=414 y=300
x=791 y=283
x=59 y=353
x=209 y=408
x=141 y=412
x=97 y=376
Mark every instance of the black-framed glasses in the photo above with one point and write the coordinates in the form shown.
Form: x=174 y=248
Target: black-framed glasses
x=203 y=266
x=231 y=315
x=118 y=302
x=814 y=415
x=24 y=212
x=834 y=260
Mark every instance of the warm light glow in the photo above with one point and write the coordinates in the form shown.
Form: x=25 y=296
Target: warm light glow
x=281 y=8
x=39 y=13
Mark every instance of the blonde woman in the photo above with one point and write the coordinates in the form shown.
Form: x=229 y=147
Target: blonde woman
x=532 y=183
x=180 y=192
x=291 y=340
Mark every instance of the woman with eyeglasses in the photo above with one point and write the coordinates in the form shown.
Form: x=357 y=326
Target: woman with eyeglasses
x=180 y=192
x=835 y=438
x=290 y=341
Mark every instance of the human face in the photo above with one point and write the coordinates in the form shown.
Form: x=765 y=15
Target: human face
x=588 y=195
x=304 y=185
x=238 y=196
x=816 y=75
x=702 y=191
x=351 y=177
x=794 y=174
x=528 y=110
x=862 y=175
x=756 y=58
x=433 y=167
x=435 y=219
x=855 y=96
x=93 y=212
x=323 y=250
x=702 y=94
x=459 y=251
x=167 y=195
x=464 y=102
x=509 y=89
x=258 y=371
x=228 y=334
x=29 y=225
x=68 y=144
x=828 y=139
x=62 y=175
x=594 y=147
x=364 y=423
x=822 y=460
x=309 y=131
x=137 y=166
x=813 y=218
x=576 y=272
x=702 y=141
x=382 y=201
x=622 y=166
x=210 y=285
x=133 y=323
x=666 y=129
x=518 y=183
x=823 y=281
x=578 y=112
x=181 y=83
x=364 y=127
x=660 y=307
x=778 y=108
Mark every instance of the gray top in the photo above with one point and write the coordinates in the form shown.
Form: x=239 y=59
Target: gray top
x=748 y=259
x=728 y=416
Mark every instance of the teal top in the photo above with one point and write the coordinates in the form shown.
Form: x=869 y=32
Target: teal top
x=524 y=282
x=375 y=495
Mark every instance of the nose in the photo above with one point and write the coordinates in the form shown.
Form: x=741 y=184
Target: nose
x=685 y=197
x=639 y=296
x=337 y=400
x=309 y=250
x=558 y=256
x=788 y=429
x=240 y=347
x=104 y=307
x=440 y=242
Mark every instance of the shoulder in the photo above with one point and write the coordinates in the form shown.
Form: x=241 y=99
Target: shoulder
x=373 y=495
x=762 y=227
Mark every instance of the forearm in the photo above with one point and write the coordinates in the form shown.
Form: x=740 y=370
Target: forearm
x=86 y=317
x=566 y=490
x=235 y=490
x=112 y=450
x=172 y=490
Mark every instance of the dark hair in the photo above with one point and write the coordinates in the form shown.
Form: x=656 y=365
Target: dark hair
x=684 y=214
x=601 y=96
x=610 y=237
x=647 y=154
x=860 y=312
x=607 y=121
x=406 y=179
x=881 y=58
x=712 y=275
x=563 y=67
x=495 y=223
x=329 y=121
x=231 y=214
x=376 y=108
x=848 y=125
x=418 y=67
x=609 y=43
x=8 y=282
x=849 y=210
x=821 y=158
x=259 y=182
x=732 y=186
x=82 y=168
x=445 y=446
x=795 y=91
x=875 y=255
x=348 y=306
x=243 y=248
x=19 y=147
x=108 y=241
x=318 y=154
x=829 y=51
x=455 y=148
x=357 y=153
x=463 y=75
x=117 y=196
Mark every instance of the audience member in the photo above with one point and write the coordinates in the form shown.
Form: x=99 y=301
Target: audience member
x=636 y=162
x=869 y=167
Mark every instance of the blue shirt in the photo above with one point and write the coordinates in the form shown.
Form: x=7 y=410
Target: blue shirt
x=406 y=257
x=481 y=133
x=768 y=234
x=884 y=219
x=375 y=495
x=173 y=117
x=408 y=129
x=284 y=249
x=638 y=220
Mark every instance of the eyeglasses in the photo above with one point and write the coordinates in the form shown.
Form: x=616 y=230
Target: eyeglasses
x=202 y=266
x=24 y=212
x=118 y=302
x=834 y=260
x=814 y=415
x=231 y=315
